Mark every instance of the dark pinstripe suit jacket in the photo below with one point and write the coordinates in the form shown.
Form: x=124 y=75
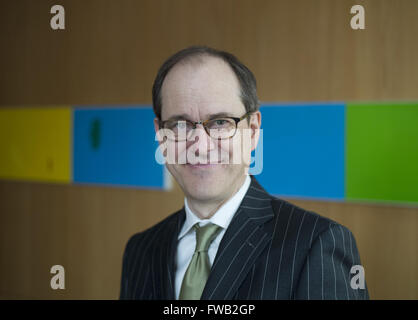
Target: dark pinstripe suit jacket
x=271 y=250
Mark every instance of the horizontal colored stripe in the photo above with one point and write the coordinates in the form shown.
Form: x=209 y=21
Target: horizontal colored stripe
x=303 y=150
x=330 y=151
x=35 y=144
x=116 y=146
x=382 y=152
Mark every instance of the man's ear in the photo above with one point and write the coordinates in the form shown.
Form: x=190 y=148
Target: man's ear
x=255 y=125
x=157 y=130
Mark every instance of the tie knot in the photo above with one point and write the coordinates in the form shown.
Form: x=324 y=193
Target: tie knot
x=205 y=235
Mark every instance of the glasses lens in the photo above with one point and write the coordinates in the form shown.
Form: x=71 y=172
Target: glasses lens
x=177 y=129
x=222 y=128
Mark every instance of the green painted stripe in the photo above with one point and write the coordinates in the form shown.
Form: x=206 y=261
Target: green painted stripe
x=382 y=152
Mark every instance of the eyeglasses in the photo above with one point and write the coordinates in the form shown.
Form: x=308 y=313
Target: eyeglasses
x=218 y=128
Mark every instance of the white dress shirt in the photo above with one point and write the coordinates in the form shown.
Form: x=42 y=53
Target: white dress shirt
x=187 y=235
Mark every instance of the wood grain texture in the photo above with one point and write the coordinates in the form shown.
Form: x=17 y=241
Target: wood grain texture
x=299 y=50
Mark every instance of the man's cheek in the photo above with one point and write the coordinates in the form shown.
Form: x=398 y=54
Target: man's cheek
x=223 y=153
x=240 y=149
x=175 y=153
x=181 y=156
x=247 y=146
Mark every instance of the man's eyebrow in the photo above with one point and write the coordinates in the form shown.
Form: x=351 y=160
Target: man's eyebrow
x=185 y=116
x=182 y=116
x=220 y=115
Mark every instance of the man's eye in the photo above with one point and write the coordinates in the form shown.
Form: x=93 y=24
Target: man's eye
x=176 y=125
x=181 y=125
x=220 y=124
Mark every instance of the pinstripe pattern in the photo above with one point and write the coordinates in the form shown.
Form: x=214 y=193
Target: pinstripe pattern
x=272 y=249
x=333 y=264
x=281 y=254
x=322 y=269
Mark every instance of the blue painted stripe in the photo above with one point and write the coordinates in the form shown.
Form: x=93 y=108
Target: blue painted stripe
x=116 y=146
x=304 y=150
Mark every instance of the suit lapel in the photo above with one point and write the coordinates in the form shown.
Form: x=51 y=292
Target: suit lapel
x=164 y=256
x=242 y=243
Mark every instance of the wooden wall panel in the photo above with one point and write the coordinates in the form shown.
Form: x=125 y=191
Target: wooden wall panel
x=387 y=237
x=83 y=228
x=299 y=50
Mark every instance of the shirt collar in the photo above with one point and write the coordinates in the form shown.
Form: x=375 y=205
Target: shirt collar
x=222 y=216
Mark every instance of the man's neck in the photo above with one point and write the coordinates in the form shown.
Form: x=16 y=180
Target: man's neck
x=206 y=209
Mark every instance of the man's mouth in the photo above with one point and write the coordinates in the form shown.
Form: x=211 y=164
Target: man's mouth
x=204 y=165
x=201 y=165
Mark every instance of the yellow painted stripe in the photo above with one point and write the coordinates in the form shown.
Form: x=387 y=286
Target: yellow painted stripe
x=35 y=144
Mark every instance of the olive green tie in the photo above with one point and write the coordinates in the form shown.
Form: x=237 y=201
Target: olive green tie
x=197 y=273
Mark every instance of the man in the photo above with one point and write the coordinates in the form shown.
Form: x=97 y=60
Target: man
x=231 y=240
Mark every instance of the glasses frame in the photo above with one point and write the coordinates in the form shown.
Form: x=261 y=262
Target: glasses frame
x=205 y=122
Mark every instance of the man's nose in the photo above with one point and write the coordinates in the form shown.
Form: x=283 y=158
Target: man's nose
x=201 y=137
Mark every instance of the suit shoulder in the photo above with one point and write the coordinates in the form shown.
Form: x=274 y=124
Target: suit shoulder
x=304 y=221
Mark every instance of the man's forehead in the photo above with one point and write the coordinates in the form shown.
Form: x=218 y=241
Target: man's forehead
x=201 y=61
x=201 y=89
x=212 y=69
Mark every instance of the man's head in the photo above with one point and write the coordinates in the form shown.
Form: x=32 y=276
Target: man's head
x=196 y=84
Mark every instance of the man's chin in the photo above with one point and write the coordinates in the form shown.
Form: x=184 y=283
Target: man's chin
x=203 y=186
x=202 y=194
x=202 y=174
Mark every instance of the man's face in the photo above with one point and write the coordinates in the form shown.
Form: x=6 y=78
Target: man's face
x=196 y=91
